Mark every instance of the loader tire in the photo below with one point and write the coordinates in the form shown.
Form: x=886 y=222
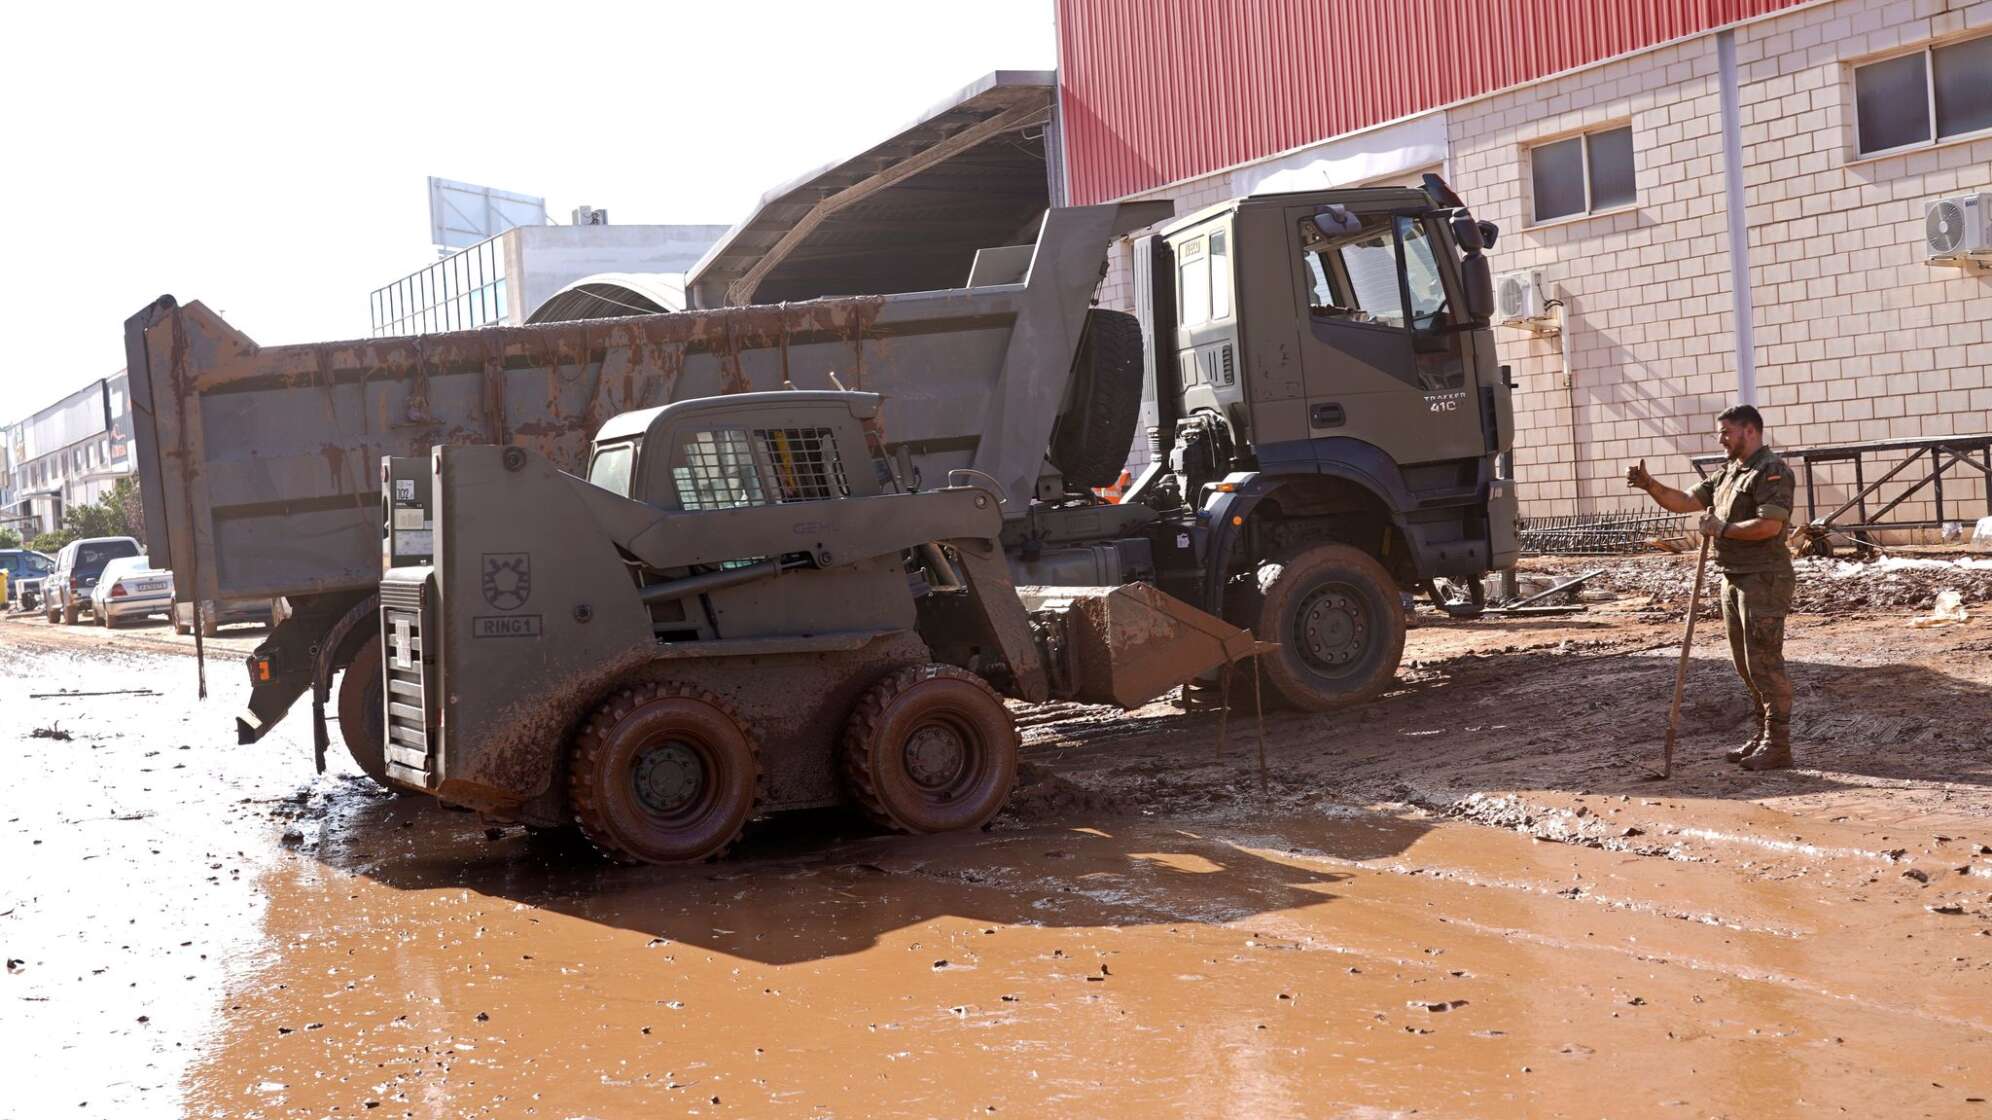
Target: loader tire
x=1091 y=443
x=930 y=749
x=664 y=773
x=1337 y=617
x=363 y=712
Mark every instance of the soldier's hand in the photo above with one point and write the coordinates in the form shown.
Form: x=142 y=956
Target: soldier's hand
x=1637 y=478
x=1711 y=525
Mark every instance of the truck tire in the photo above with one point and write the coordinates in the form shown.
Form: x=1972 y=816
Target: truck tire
x=1336 y=614
x=664 y=773
x=1091 y=443
x=69 y=612
x=930 y=749
x=363 y=712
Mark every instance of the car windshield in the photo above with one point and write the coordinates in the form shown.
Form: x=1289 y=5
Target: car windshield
x=91 y=558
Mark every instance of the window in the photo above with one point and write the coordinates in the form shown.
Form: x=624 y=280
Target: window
x=805 y=464
x=1896 y=99
x=718 y=472
x=1220 y=277
x=1583 y=174
x=1192 y=284
x=611 y=467
x=1421 y=272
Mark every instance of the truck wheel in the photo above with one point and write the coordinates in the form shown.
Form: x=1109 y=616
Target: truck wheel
x=1091 y=444
x=69 y=612
x=363 y=712
x=664 y=773
x=1336 y=615
x=930 y=749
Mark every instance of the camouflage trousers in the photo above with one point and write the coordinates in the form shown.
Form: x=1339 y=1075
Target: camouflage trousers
x=1754 y=605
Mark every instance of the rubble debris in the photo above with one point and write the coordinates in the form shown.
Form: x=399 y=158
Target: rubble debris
x=53 y=731
x=1825 y=586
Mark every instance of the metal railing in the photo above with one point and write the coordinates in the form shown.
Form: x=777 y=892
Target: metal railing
x=1938 y=456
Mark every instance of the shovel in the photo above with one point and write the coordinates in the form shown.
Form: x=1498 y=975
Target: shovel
x=1681 y=671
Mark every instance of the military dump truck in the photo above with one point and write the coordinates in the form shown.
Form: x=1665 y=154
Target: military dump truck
x=1324 y=408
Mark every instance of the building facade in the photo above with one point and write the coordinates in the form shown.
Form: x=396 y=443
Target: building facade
x=1726 y=199
x=66 y=455
x=502 y=280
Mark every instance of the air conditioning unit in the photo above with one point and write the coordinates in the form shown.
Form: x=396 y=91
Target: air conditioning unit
x=1518 y=301
x=1958 y=230
x=589 y=216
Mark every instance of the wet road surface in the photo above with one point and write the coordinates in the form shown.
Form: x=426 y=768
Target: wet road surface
x=198 y=928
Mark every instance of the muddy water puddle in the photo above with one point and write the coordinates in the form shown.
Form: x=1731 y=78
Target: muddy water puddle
x=409 y=966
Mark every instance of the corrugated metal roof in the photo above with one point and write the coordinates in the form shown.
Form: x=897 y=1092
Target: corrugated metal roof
x=1152 y=91
x=860 y=226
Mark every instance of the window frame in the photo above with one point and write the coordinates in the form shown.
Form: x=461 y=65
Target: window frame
x=1584 y=160
x=1929 y=51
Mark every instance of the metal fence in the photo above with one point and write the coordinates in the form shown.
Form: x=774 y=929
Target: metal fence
x=1599 y=534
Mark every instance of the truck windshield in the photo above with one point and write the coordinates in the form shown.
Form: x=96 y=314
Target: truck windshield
x=610 y=470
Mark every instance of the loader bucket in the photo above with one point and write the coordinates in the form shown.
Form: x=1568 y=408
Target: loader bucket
x=1127 y=645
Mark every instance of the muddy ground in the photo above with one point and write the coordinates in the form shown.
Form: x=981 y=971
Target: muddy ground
x=1464 y=900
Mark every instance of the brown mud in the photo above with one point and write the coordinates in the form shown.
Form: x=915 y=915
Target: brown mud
x=1463 y=900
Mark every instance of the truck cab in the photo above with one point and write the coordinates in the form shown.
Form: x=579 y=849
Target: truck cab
x=1323 y=374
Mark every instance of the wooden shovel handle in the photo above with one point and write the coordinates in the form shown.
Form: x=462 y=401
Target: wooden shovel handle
x=1681 y=670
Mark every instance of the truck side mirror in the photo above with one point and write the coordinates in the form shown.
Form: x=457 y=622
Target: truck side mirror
x=1488 y=233
x=1478 y=278
x=1468 y=233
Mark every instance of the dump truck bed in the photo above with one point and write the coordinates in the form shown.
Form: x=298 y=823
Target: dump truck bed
x=259 y=465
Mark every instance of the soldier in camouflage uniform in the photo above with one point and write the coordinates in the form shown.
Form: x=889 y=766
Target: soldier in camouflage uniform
x=1749 y=504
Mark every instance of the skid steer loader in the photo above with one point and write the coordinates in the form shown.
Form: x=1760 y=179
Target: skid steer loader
x=743 y=608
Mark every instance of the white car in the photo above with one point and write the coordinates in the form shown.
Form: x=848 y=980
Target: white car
x=131 y=588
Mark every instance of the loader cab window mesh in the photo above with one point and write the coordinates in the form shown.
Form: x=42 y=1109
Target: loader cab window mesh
x=718 y=471
x=611 y=468
x=804 y=464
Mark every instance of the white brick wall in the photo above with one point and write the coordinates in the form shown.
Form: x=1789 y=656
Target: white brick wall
x=1856 y=337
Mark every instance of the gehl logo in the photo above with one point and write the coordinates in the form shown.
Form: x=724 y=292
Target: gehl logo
x=1445 y=402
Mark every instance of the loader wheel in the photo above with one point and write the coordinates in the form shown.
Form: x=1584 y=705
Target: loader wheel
x=1336 y=614
x=664 y=773
x=363 y=712
x=930 y=749
x=1095 y=435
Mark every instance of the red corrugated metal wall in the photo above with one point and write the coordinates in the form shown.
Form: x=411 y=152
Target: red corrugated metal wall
x=1161 y=90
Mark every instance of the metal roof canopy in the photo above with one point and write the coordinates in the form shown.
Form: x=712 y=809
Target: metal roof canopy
x=906 y=215
x=612 y=295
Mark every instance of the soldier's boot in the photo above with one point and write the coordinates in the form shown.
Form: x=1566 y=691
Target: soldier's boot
x=1775 y=754
x=1751 y=746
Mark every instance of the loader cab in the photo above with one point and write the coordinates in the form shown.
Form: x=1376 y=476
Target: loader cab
x=742 y=449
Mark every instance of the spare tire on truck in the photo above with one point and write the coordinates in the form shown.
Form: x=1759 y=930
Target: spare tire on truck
x=1094 y=434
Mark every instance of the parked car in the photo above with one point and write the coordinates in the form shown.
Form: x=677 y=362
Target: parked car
x=216 y=614
x=25 y=568
x=66 y=590
x=131 y=588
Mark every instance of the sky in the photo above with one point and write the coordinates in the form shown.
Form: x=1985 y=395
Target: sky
x=271 y=160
